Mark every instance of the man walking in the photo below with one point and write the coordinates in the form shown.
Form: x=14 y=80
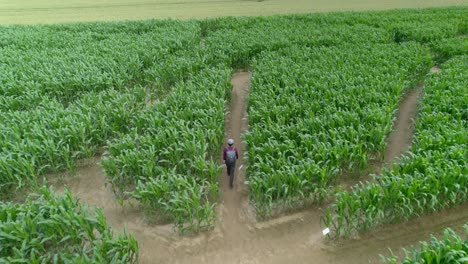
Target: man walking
x=230 y=155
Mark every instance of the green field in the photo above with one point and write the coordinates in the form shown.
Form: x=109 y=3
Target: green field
x=150 y=97
x=54 y=11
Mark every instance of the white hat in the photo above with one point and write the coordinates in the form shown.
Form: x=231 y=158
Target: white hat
x=230 y=141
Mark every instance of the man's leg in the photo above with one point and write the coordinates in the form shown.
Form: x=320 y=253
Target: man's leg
x=231 y=174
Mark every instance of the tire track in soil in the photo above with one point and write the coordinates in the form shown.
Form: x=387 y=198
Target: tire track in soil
x=237 y=238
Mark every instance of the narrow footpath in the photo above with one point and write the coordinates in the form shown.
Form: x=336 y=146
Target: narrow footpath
x=399 y=141
x=234 y=209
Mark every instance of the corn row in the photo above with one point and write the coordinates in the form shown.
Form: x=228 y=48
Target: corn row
x=61 y=102
x=317 y=113
x=57 y=229
x=241 y=45
x=451 y=248
x=238 y=40
x=175 y=142
x=51 y=138
x=447 y=48
x=63 y=62
x=433 y=177
x=182 y=199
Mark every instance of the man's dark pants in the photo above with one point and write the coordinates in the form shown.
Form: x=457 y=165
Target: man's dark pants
x=230 y=171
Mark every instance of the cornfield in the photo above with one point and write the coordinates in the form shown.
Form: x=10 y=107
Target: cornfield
x=151 y=97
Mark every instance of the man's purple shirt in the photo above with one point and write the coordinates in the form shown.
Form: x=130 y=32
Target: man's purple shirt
x=226 y=149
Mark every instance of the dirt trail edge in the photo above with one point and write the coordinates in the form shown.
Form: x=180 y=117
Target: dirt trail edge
x=237 y=238
x=399 y=140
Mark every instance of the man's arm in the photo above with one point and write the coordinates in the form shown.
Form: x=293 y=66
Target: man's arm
x=237 y=154
x=224 y=154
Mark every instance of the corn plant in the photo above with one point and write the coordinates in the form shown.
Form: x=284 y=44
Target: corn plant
x=432 y=177
x=447 y=48
x=451 y=248
x=183 y=199
x=56 y=228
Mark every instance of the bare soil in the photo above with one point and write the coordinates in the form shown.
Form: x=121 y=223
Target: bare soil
x=399 y=140
x=435 y=69
x=237 y=237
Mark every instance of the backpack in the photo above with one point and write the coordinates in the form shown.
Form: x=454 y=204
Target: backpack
x=231 y=156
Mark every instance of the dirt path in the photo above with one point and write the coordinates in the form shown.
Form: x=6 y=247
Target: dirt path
x=235 y=201
x=399 y=141
x=435 y=69
x=237 y=238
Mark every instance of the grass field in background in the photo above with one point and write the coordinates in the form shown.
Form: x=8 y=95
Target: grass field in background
x=56 y=11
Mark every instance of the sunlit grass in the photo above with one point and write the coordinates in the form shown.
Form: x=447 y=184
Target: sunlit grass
x=54 y=11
